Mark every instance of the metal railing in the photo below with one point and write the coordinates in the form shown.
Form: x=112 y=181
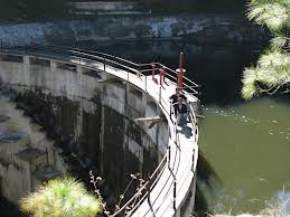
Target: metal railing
x=140 y=195
x=117 y=62
x=142 y=71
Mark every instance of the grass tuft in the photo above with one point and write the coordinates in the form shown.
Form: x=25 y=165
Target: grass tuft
x=62 y=197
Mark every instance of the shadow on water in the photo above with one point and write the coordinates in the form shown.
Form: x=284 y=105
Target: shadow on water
x=208 y=178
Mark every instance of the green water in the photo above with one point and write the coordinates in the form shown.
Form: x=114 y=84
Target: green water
x=247 y=147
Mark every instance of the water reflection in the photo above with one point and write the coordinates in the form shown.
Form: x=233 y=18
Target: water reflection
x=247 y=145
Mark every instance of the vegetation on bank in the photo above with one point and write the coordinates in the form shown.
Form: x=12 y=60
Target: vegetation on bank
x=60 y=198
x=272 y=71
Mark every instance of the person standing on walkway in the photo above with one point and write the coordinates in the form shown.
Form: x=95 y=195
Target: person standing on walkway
x=182 y=112
x=174 y=101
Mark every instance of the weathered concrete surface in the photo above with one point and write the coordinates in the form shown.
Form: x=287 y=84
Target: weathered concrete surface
x=60 y=82
x=204 y=28
x=183 y=150
x=25 y=153
x=89 y=117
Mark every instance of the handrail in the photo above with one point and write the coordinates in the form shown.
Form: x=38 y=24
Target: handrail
x=139 y=70
x=137 y=194
x=134 y=67
x=97 y=53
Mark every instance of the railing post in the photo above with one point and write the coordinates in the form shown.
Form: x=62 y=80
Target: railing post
x=146 y=90
x=180 y=72
x=153 y=71
x=160 y=89
x=174 y=196
x=169 y=156
x=104 y=64
x=192 y=166
x=176 y=124
x=162 y=76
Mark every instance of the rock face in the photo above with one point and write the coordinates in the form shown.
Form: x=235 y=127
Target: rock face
x=193 y=28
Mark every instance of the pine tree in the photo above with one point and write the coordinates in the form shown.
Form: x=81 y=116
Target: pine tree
x=61 y=197
x=272 y=71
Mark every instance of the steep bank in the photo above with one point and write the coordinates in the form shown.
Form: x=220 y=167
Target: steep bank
x=203 y=29
x=21 y=10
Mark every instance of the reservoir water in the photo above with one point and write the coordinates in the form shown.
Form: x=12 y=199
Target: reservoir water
x=247 y=147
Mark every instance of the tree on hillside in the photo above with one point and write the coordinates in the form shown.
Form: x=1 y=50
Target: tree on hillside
x=61 y=198
x=272 y=71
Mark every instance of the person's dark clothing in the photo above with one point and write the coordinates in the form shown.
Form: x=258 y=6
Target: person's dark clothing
x=174 y=98
x=182 y=109
x=174 y=101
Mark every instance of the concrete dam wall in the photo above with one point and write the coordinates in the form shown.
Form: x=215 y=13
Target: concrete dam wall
x=90 y=116
x=101 y=87
x=27 y=156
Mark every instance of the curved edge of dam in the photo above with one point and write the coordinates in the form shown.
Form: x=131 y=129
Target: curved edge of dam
x=170 y=190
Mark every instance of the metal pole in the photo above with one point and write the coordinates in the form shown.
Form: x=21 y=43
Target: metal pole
x=153 y=71
x=180 y=74
x=174 y=195
x=181 y=60
x=146 y=84
x=104 y=64
x=162 y=76
x=160 y=89
x=176 y=134
x=169 y=157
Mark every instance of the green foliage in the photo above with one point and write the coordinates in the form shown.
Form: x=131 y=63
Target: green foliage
x=249 y=80
x=279 y=42
x=272 y=71
x=274 y=14
x=61 y=198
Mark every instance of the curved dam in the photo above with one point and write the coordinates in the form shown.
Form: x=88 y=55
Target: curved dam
x=128 y=89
